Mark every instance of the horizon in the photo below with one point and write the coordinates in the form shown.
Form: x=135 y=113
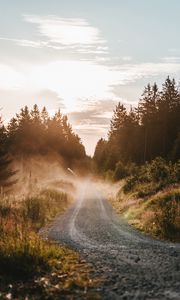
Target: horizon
x=85 y=57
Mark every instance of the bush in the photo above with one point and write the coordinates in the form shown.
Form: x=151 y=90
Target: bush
x=148 y=179
x=124 y=170
x=167 y=214
x=176 y=170
x=158 y=170
x=130 y=184
x=148 y=189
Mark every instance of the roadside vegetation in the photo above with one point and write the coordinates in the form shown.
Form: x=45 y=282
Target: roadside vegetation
x=143 y=153
x=33 y=268
x=149 y=197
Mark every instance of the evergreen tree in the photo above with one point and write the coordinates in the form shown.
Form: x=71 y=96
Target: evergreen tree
x=6 y=172
x=169 y=115
x=100 y=153
x=147 y=110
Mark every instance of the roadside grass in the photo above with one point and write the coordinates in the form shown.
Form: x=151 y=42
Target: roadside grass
x=32 y=268
x=154 y=211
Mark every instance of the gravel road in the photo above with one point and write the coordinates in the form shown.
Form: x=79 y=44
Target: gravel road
x=133 y=265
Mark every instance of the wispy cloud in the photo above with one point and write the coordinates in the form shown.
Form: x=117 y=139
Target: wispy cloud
x=171 y=59
x=96 y=113
x=66 y=31
x=65 y=34
x=26 y=43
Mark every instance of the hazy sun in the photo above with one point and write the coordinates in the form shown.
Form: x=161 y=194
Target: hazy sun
x=72 y=80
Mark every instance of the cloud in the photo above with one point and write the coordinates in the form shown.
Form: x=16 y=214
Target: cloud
x=66 y=31
x=93 y=121
x=73 y=80
x=10 y=78
x=94 y=117
x=126 y=58
x=25 y=43
x=171 y=59
x=74 y=36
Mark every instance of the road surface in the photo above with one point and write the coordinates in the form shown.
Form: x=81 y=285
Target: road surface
x=133 y=265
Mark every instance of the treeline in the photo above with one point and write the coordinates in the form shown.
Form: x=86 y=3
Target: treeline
x=150 y=130
x=34 y=132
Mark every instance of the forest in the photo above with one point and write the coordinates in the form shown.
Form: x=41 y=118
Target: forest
x=142 y=154
x=150 y=130
x=34 y=132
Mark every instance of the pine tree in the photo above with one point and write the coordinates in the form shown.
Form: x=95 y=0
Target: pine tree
x=6 y=173
x=100 y=154
x=169 y=115
x=147 y=110
x=44 y=117
x=118 y=120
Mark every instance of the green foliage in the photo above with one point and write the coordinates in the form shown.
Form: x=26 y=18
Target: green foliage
x=140 y=135
x=35 y=210
x=167 y=214
x=22 y=252
x=176 y=170
x=34 y=268
x=26 y=256
x=121 y=171
x=152 y=177
x=158 y=170
x=131 y=182
x=6 y=173
x=43 y=207
x=124 y=170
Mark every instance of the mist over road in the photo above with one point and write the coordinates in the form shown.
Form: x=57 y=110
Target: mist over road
x=134 y=266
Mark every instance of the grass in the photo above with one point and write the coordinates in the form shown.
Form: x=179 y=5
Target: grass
x=32 y=268
x=154 y=211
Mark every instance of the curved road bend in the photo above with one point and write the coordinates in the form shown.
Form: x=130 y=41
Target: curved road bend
x=134 y=266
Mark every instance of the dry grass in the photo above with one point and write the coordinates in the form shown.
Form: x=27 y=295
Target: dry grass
x=32 y=268
x=158 y=215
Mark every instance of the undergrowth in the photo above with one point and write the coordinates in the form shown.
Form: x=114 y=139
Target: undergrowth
x=150 y=198
x=25 y=259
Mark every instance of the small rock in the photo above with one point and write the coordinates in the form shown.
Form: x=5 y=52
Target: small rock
x=137 y=259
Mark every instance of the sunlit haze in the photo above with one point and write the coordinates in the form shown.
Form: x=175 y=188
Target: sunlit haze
x=85 y=56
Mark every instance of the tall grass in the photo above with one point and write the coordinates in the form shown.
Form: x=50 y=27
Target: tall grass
x=150 y=197
x=22 y=252
x=32 y=268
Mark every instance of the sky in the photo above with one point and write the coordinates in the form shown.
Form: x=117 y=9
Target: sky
x=85 y=56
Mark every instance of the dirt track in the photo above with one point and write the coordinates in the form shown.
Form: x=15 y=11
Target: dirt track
x=134 y=266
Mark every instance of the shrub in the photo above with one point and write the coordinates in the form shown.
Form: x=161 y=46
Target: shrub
x=148 y=189
x=149 y=178
x=130 y=184
x=176 y=170
x=124 y=170
x=167 y=214
x=158 y=170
